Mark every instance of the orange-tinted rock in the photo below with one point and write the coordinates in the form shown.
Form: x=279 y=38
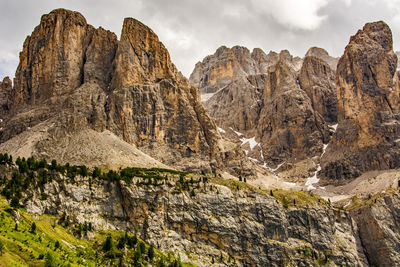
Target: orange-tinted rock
x=52 y=58
x=368 y=106
x=75 y=77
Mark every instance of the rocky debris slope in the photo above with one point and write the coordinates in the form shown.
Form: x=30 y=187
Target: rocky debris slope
x=73 y=77
x=368 y=106
x=277 y=105
x=246 y=225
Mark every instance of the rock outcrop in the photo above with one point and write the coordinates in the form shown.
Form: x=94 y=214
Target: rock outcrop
x=285 y=103
x=251 y=228
x=73 y=77
x=5 y=97
x=368 y=106
x=229 y=64
x=317 y=79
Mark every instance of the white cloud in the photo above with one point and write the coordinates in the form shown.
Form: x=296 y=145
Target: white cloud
x=293 y=13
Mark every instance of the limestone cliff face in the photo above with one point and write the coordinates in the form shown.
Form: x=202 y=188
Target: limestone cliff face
x=368 y=106
x=229 y=64
x=5 y=97
x=288 y=125
x=73 y=77
x=284 y=102
x=52 y=58
x=317 y=79
x=323 y=55
x=253 y=228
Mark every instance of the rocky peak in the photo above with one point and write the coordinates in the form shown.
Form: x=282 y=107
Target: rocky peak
x=368 y=106
x=323 y=55
x=52 y=58
x=317 y=79
x=76 y=83
x=378 y=32
x=141 y=58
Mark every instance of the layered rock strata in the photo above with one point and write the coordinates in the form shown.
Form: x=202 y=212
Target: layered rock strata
x=251 y=228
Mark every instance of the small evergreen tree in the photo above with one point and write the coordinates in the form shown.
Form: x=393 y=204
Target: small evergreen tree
x=49 y=260
x=108 y=244
x=150 y=253
x=285 y=202
x=33 y=228
x=14 y=202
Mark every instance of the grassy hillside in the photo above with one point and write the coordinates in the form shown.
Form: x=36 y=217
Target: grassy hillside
x=52 y=244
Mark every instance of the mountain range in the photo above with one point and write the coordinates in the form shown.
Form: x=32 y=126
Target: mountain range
x=255 y=160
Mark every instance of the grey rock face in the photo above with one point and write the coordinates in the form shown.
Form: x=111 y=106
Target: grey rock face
x=285 y=103
x=251 y=227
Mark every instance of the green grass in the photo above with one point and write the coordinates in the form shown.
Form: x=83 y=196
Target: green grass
x=293 y=198
x=297 y=198
x=23 y=248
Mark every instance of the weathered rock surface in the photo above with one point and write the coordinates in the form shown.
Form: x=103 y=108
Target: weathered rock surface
x=285 y=103
x=368 y=106
x=5 y=97
x=323 y=55
x=288 y=126
x=73 y=77
x=251 y=227
x=317 y=79
x=229 y=64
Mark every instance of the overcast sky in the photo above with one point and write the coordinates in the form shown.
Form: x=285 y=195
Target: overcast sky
x=193 y=29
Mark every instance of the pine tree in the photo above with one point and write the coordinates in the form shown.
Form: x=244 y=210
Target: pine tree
x=49 y=260
x=150 y=253
x=33 y=228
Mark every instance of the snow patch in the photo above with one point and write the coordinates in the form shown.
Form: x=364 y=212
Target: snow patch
x=333 y=127
x=290 y=184
x=221 y=130
x=252 y=142
x=313 y=179
x=273 y=170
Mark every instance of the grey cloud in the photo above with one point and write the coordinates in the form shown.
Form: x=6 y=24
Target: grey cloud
x=193 y=29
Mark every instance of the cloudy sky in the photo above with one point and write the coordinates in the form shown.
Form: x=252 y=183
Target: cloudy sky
x=192 y=29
